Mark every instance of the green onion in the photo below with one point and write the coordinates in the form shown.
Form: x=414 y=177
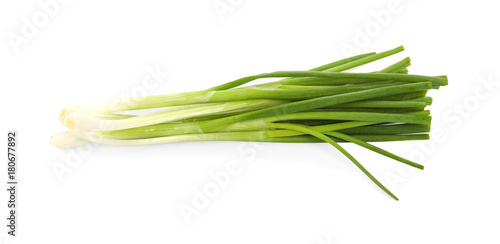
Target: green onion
x=323 y=104
x=336 y=145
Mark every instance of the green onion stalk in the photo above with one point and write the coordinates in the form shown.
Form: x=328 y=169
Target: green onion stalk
x=325 y=104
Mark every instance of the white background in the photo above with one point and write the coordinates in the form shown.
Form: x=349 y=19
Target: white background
x=283 y=193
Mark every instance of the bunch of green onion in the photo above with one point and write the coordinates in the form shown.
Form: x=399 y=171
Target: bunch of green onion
x=323 y=104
